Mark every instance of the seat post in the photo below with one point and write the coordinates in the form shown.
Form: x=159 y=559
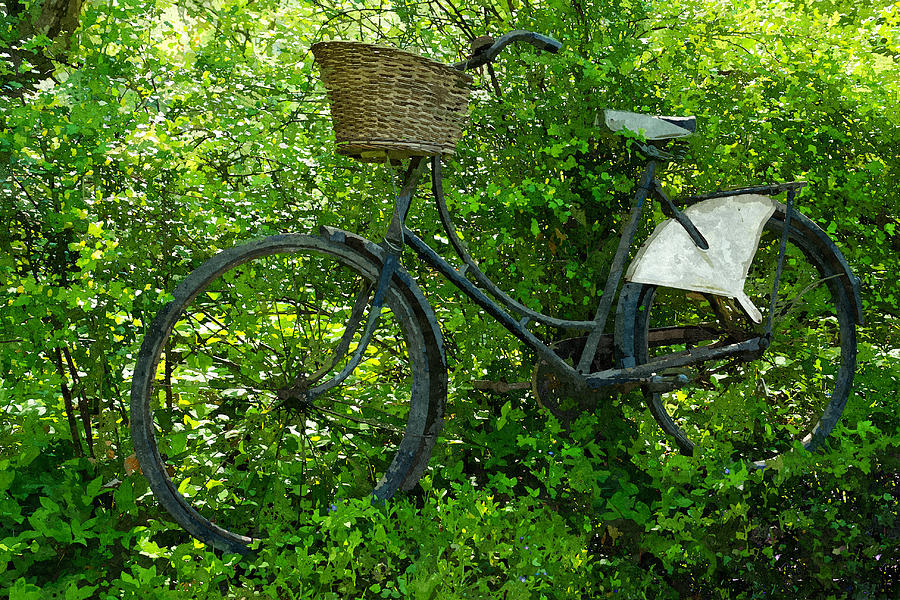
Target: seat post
x=617 y=268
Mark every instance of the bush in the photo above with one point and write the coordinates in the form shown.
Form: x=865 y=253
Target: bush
x=150 y=153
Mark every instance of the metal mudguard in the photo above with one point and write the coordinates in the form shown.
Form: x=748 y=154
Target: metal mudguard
x=733 y=226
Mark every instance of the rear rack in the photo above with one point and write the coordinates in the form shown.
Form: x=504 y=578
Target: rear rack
x=772 y=189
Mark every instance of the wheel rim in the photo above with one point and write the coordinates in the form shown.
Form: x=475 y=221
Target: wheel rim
x=234 y=429
x=795 y=391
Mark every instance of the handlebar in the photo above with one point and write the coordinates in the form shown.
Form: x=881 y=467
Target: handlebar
x=484 y=55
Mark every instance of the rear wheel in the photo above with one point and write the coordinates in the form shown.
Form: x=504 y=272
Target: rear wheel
x=227 y=419
x=796 y=390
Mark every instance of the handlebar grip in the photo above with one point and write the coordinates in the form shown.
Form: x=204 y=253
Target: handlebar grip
x=543 y=42
x=485 y=55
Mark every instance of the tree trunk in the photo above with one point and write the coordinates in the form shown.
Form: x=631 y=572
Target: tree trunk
x=55 y=19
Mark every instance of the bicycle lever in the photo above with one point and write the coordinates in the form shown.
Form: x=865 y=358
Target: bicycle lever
x=483 y=55
x=682 y=218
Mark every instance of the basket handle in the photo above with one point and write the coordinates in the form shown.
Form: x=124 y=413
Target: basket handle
x=483 y=54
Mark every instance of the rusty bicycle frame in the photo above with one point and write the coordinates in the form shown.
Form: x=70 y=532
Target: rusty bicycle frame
x=602 y=362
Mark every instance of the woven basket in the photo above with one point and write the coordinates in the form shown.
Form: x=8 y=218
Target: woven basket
x=387 y=104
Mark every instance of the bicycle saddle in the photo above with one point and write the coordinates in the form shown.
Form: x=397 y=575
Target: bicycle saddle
x=653 y=128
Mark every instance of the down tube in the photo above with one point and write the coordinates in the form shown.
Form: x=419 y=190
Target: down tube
x=426 y=253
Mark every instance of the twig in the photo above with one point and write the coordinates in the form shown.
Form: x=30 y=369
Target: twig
x=500 y=387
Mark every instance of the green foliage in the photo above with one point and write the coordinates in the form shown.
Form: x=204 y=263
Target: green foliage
x=171 y=131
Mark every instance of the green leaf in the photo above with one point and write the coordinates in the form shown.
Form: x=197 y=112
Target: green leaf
x=28 y=455
x=21 y=590
x=95 y=229
x=49 y=504
x=124 y=496
x=73 y=592
x=6 y=479
x=92 y=490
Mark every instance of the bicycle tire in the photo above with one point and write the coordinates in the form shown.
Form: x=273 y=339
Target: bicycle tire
x=797 y=389
x=222 y=427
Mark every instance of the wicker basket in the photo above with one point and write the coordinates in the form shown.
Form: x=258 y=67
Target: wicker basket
x=387 y=104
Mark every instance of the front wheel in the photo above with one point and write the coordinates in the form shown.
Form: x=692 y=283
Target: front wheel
x=227 y=424
x=796 y=390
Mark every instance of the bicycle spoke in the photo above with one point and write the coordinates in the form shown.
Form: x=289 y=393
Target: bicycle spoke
x=343 y=346
x=356 y=419
x=244 y=438
x=227 y=342
x=368 y=408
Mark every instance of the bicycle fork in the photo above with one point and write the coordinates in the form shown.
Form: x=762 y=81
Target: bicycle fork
x=393 y=244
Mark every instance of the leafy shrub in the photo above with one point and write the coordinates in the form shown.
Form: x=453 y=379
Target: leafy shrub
x=151 y=153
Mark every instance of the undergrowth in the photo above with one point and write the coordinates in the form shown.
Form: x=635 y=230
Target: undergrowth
x=520 y=509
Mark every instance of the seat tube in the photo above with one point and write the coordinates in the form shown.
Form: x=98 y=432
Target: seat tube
x=617 y=268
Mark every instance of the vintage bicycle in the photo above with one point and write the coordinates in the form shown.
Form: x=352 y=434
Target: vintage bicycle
x=312 y=365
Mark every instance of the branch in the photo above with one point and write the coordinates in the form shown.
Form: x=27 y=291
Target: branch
x=500 y=387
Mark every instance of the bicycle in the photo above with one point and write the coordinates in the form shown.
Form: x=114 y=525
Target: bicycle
x=314 y=364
